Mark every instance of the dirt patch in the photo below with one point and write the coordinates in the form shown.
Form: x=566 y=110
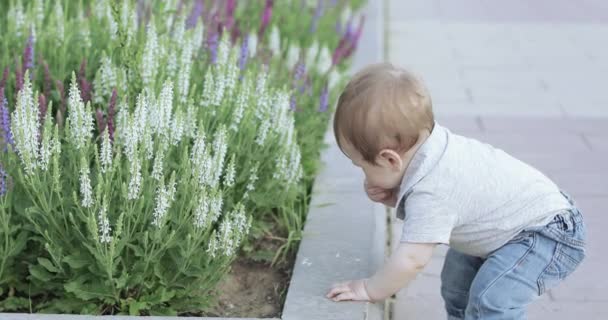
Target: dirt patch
x=254 y=289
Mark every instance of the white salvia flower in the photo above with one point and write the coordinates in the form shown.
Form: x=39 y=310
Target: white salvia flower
x=199 y=34
x=19 y=17
x=208 y=89
x=105 y=79
x=232 y=73
x=135 y=182
x=80 y=118
x=201 y=212
x=59 y=18
x=86 y=191
x=220 y=86
x=263 y=132
x=184 y=72
x=240 y=221
x=141 y=114
x=172 y=63
x=168 y=15
x=24 y=126
x=122 y=124
x=104 y=225
x=215 y=207
x=112 y=23
x=130 y=137
x=293 y=56
x=334 y=78
x=241 y=103
x=48 y=144
x=149 y=59
x=230 y=173
x=263 y=97
x=179 y=33
x=324 y=63
x=226 y=237
x=213 y=245
x=223 y=50
x=164 y=107
x=253 y=177
x=311 y=54
x=164 y=196
x=105 y=153
x=177 y=128
x=126 y=20
x=253 y=44
x=100 y=9
x=346 y=14
x=275 y=41
x=157 y=169
x=220 y=147
x=39 y=12
x=85 y=34
x=190 y=123
x=197 y=155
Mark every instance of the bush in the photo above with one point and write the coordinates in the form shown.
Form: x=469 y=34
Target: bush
x=132 y=191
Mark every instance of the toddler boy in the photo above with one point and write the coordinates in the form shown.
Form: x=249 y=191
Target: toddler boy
x=512 y=233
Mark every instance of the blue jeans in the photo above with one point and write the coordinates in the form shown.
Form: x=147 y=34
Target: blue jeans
x=502 y=285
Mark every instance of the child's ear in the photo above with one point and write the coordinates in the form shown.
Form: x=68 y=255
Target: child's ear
x=390 y=159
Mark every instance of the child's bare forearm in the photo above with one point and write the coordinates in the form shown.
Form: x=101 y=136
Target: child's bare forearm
x=399 y=270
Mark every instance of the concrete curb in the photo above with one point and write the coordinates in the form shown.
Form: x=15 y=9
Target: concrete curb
x=345 y=234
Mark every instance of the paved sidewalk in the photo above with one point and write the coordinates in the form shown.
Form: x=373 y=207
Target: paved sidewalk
x=530 y=77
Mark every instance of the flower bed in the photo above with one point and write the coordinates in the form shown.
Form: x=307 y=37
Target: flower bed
x=145 y=142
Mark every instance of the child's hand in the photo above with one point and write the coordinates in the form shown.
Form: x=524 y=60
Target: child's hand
x=352 y=290
x=384 y=196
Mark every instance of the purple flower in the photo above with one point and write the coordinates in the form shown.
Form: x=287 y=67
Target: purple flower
x=292 y=102
x=212 y=43
x=3 y=186
x=266 y=16
x=18 y=80
x=4 y=78
x=324 y=99
x=230 y=7
x=299 y=71
x=244 y=54
x=197 y=11
x=59 y=86
x=111 y=109
x=5 y=119
x=48 y=79
x=28 y=55
x=85 y=86
x=355 y=38
x=42 y=106
x=101 y=125
x=317 y=16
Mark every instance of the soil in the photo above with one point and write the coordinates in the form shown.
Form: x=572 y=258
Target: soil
x=253 y=289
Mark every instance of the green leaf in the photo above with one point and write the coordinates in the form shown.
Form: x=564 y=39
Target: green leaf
x=136 y=306
x=76 y=261
x=14 y=304
x=88 y=291
x=48 y=265
x=40 y=273
x=163 y=311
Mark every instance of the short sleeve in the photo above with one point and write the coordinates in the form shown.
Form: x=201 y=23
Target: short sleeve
x=427 y=219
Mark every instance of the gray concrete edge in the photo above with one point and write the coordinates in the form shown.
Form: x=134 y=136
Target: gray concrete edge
x=333 y=231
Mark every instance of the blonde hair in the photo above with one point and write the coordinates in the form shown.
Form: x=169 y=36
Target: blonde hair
x=383 y=106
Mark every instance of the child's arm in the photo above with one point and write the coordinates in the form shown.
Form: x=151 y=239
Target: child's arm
x=400 y=269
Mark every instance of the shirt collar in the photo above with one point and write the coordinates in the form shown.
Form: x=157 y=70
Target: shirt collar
x=424 y=160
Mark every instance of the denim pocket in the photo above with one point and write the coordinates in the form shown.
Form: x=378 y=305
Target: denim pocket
x=565 y=260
